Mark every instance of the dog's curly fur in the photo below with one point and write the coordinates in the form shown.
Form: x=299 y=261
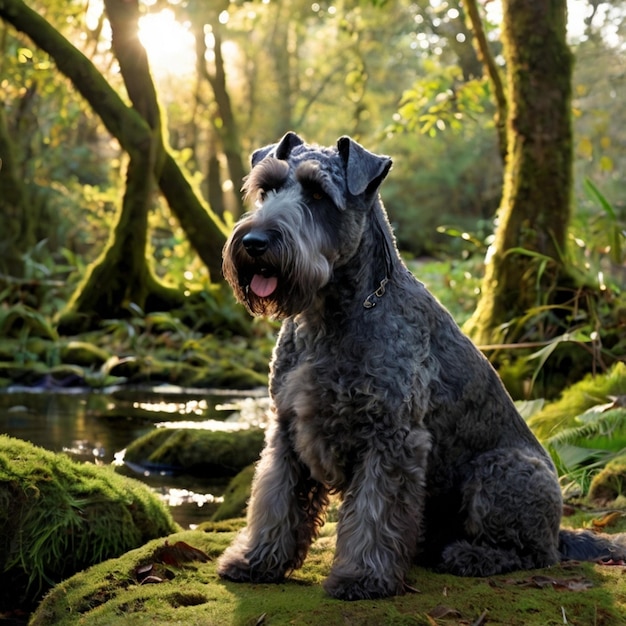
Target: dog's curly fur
x=376 y=395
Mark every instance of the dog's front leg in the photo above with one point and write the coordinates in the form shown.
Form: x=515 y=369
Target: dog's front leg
x=380 y=520
x=284 y=515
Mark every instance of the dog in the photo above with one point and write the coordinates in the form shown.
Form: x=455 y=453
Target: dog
x=378 y=396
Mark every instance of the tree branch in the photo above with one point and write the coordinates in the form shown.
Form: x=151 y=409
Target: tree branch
x=486 y=57
x=200 y=224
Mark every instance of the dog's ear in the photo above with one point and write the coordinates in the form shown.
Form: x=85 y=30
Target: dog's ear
x=287 y=144
x=260 y=154
x=365 y=171
x=281 y=150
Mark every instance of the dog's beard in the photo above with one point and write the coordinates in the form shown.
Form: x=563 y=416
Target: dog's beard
x=280 y=283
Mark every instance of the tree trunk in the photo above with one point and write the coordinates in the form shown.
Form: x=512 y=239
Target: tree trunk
x=525 y=262
x=122 y=275
x=16 y=232
x=204 y=230
x=282 y=56
x=225 y=125
x=483 y=52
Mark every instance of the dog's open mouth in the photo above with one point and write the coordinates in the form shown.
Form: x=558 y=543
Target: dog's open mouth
x=264 y=283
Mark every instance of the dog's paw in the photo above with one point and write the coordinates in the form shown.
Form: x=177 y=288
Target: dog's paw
x=237 y=570
x=360 y=588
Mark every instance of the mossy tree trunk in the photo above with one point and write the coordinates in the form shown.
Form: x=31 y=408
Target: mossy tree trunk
x=204 y=229
x=535 y=209
x=122 y=275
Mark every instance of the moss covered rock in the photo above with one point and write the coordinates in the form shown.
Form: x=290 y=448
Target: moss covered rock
x=196 y=451
x=190 y=593
x=236 y=496
x=58 y=516
x=610 y=483
x=577 y=399
x=83 y=353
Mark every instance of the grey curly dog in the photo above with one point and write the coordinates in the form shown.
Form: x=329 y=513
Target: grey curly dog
x=378 y=396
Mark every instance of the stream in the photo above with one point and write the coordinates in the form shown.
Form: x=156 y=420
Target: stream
x=96 y=426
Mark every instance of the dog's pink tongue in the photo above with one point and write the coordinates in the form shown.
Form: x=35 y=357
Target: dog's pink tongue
x=263 y=286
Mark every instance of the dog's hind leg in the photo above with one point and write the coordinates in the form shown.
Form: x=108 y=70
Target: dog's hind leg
x=512 y=504
x=380 y=521
x=285 y=512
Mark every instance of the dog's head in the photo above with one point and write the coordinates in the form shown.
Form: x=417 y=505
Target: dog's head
x=310 y=209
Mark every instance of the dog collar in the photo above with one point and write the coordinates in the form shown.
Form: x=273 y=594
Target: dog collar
x=370 y=301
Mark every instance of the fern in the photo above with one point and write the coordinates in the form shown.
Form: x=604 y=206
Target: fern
x=581 y=451
x=611 y=424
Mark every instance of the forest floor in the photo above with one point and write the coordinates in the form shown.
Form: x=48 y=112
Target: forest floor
x=167 y=582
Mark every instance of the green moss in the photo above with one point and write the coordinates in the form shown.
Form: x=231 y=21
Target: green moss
x=236 y=496
x=577 y=399
x=109 y=594
x=610 y=483
x=191 y=372
x=58 y=516
x=83 y=353
x=199 y=452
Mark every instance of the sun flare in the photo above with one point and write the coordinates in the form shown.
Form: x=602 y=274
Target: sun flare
x=169 y=44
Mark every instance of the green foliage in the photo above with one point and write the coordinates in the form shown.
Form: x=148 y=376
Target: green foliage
x=612 y=226
x=452 y=180
x=609 y=484
x=455 y=283
x=577 y=399
x=580 y=452
x=58 y=517
x=576 y=326
x=598 y=237
x=442 y=100
x=586 y=427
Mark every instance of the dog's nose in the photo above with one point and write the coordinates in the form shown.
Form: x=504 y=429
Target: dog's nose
x=255 y=243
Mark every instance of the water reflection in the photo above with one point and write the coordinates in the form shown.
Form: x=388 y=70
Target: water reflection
x=95 y=426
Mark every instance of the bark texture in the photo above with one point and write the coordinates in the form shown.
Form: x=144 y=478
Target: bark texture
x=525 y=262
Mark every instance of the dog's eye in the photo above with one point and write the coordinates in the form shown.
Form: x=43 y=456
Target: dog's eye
x=317 y=195
x=261 y=195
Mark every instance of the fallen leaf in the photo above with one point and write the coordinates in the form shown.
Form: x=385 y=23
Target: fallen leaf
x=610 y=519
x=152 y=573
x=178 y=553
